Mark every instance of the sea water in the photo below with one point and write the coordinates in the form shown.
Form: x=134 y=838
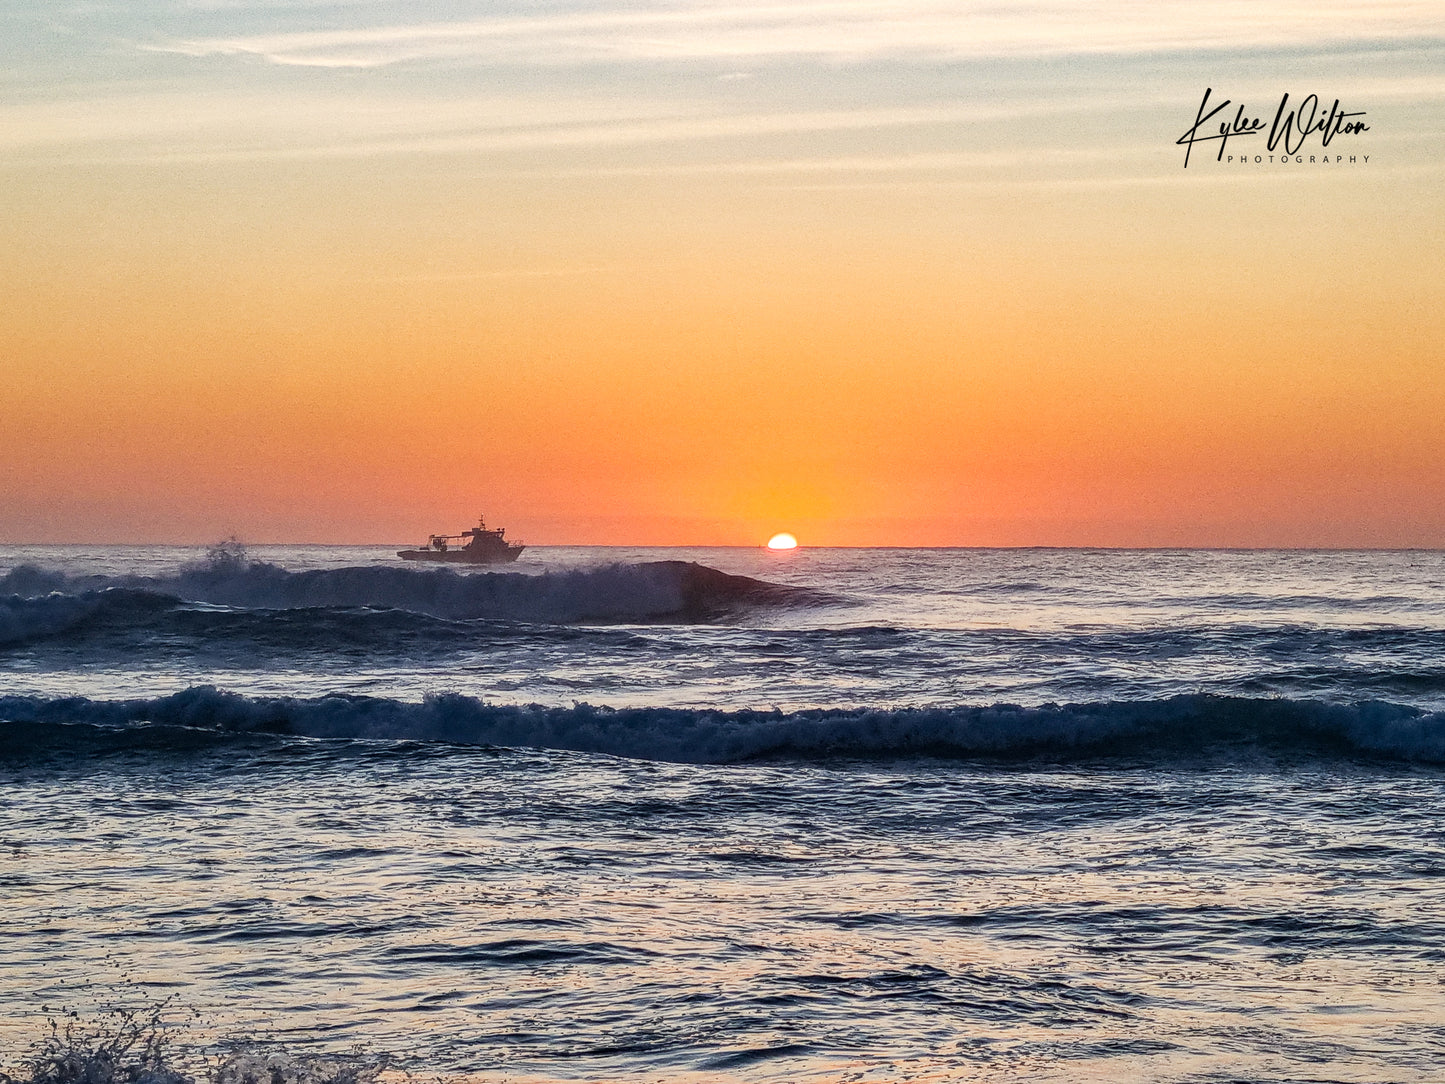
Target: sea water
x=730 y=814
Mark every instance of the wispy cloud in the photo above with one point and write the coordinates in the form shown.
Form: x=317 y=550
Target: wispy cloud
x=559 y=121
x=921 y=162
x=841 y=30
x=263 y=125
x=578 y=134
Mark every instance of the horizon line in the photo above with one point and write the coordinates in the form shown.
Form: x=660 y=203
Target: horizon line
x=758 y=546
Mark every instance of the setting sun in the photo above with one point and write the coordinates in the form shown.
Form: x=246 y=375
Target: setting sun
x=782 y=541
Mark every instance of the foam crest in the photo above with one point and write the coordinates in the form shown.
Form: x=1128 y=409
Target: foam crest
x=1179 y=726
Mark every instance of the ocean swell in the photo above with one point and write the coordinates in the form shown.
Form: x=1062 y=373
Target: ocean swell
x=23 y=619
x=34 y=602
x=1182 y=726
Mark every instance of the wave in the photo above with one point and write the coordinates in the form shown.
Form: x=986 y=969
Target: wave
x=35 y=603
x=24 y=619
x=1180 y=726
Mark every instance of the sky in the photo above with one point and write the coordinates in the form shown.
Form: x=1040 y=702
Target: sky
x=675 y=273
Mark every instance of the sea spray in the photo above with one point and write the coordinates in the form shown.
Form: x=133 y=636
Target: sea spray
x=144 y=1044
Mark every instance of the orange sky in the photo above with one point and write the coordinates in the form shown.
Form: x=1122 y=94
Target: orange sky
x=854 y=324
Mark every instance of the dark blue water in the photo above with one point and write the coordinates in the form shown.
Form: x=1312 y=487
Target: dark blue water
x=711 y=815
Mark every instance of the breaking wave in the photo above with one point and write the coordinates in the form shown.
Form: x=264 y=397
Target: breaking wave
x=35 y=603
x=1175 y=727
x=23 y=619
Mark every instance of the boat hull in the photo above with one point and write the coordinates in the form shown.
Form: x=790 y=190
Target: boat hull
x=462 y=557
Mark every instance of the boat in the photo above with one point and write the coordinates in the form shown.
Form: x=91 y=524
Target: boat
x=479 y=546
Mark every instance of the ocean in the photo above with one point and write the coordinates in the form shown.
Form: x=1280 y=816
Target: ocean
x=724 y=814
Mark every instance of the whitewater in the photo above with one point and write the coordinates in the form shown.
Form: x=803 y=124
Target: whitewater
x=727 y=814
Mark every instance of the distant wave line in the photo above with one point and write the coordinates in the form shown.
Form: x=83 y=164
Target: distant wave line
x=42 y=602
x=1181 y=727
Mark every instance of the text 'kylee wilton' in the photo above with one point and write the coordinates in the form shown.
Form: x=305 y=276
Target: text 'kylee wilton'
x=1288 y=134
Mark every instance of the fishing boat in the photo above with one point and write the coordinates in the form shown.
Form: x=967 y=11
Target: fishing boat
x=479 y=546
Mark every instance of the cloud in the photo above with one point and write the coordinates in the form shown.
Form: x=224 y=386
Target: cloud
x=210 y=111
x=838 y=30
x=215 y=125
